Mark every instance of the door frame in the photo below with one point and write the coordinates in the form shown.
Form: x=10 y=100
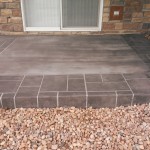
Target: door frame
x=30 y=29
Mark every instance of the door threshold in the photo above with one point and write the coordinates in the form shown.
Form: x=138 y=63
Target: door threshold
x=47 y=29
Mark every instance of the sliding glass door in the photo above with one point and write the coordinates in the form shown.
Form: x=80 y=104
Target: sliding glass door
x=42 y=14
x=80 y=13
x=56 y=15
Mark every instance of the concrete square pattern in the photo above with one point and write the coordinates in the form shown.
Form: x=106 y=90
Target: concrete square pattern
x=81 y=71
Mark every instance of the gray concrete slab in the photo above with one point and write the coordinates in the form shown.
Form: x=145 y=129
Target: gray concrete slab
x=58 y=55
x=82 y=91
x=80 y=71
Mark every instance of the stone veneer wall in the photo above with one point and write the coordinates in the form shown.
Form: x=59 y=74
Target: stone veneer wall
x=136 y=13
x=10 y=16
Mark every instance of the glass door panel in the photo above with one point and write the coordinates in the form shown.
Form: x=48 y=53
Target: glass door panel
x=42 y=13
x=80 y=13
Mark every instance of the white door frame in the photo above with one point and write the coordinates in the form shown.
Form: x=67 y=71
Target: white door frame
x=99 y=28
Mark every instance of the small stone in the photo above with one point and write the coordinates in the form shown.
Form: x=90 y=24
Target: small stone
x=2 y=143
x=92 y=136
x=54 y=147
x=135 y=140
x=43 y=142
x=43 y=137
x=103 y=147
x=141 y=147
x=87 y=145
x=22 y=145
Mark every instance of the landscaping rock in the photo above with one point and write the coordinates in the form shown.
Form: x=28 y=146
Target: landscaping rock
x=70 y=128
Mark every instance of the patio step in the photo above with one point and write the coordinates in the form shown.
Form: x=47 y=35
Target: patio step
x=81 y=91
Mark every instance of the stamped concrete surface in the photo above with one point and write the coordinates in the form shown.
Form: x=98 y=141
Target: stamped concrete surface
x=82 y=91
x=80 y=71
x=38 y=55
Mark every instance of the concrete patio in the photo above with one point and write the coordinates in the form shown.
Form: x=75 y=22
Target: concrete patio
x=36 y=55
x=80 y=71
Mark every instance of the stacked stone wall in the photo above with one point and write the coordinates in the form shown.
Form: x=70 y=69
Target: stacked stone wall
x=10 y=16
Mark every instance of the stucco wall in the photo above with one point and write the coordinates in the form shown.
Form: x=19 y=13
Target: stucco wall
x=135 y=14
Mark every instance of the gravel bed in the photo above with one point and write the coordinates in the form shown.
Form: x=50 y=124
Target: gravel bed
x=123 y=128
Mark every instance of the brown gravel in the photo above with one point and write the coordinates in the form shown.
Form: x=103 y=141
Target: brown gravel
x=79 y=129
